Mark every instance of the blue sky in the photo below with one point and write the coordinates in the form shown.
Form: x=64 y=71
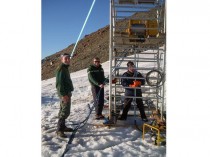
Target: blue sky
x=62 y=21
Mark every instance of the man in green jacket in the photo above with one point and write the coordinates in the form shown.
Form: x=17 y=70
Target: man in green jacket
x=97 y=80
x=64 y=88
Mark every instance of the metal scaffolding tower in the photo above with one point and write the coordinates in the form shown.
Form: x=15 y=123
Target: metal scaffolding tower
x=138 y=34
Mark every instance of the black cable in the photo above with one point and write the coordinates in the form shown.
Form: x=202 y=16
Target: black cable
x=71 y=138
x=80 y=124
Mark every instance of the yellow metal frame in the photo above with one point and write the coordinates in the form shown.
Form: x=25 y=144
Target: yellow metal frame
x=132 y=22
x=152 y=24
x=148 y=23
x=152 y=127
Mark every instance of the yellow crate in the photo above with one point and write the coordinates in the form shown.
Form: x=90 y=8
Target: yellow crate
x=152 y=24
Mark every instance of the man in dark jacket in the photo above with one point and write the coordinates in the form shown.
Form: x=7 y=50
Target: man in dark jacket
x=97 y=80
x=132 y=91
x=64 y=88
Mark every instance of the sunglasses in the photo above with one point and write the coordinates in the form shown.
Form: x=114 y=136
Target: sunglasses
x=131 y=66
x=97 y=61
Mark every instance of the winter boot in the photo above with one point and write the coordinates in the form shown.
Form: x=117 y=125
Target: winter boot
x=144 y=119
x=98 y=117
x=66 y=129
x=61 y=134
x=122 y=117
x=61 y=124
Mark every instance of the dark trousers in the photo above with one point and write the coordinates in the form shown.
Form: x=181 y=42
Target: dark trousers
x=98 y=97
x=127 y=105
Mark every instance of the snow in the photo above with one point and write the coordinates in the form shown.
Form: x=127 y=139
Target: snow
x=90 y=140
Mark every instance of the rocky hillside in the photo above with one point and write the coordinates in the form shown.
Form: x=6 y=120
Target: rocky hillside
x=92 y=45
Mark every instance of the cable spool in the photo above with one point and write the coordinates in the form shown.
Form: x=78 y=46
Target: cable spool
x=154 y=78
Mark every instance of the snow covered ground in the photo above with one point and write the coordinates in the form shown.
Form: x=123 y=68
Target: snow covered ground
x=90 y=140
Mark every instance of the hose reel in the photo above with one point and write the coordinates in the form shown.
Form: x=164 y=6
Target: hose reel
x=154 y=78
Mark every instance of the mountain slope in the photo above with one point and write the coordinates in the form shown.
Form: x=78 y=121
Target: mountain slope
x=94 y=44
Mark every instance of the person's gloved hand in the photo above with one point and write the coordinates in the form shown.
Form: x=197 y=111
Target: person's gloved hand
x=135 y=84
x=114 y=80
x=132 y=85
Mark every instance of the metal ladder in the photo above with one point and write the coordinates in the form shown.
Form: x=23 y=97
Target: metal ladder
x=147 y=55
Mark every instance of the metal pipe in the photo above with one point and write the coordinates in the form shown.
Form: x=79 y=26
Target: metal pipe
x=131 y=11
x=128 y=37
x=135 y=68
x=119 y=17
x=137 y=28
x=138 y=45
x=134 y=6
x=143 y=98
x=139 y=60
x=152 y=127
x=114 y=12
x=110 y=56
x=144 y=46
x=144 y=87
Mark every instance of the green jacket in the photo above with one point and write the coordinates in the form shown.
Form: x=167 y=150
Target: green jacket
x=96 y=75
x=63 y=80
